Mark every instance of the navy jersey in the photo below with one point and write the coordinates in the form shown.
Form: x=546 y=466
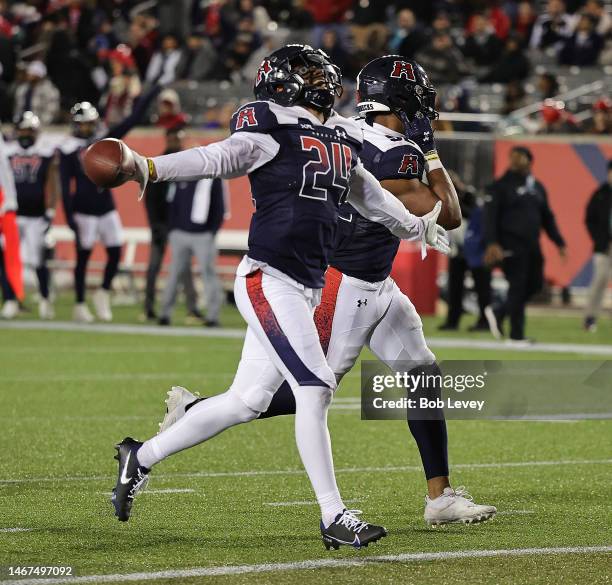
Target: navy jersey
x=30 y=167
x=196 y=206
x=85 y=196
x=365 y=249
x=298 y=193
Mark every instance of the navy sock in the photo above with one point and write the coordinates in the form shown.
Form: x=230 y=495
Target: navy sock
x=112 y=266
x=79 y=273
x=43 y=281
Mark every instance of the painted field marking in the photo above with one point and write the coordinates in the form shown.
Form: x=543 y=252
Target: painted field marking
x=16 y=529
x=307 y=503
x=158 y=491
x=327 y=563
x=273 y=472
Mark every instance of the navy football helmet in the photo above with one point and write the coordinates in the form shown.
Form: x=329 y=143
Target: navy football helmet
x=299 y=75
x=394 y=84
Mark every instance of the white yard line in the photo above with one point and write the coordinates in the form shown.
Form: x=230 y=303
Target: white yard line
x=156 y=492
x=444 y=342
x=16 y=529
x=307 y=503
x=328 y=563
x=272 y=472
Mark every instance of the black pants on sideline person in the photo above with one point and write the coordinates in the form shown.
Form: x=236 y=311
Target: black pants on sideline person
x=524 y=270
x=457 y=267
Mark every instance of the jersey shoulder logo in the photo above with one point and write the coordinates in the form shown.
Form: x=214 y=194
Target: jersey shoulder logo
x=410 y=163
x=246 y=117
x=403 y=69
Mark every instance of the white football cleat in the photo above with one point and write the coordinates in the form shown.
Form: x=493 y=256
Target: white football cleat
x=178 y=399
x=10 y=310
x=82 y=314
x=101 y=302
x=45 y=309
x=456 y=506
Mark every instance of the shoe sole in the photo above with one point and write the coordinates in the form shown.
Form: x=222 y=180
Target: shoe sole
x=176 y=398
x=468 y=521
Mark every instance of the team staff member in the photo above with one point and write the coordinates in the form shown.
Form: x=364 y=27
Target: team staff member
x=599 y=224
x=516 y=210
x=156 y=204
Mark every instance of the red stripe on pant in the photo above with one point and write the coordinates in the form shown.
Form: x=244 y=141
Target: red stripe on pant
x=324 y=313
x=276 y=335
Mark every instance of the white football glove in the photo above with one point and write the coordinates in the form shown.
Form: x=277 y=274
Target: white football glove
x=136 y=169
x=434 y=235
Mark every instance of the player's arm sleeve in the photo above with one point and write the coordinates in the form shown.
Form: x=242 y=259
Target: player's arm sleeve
x=549 y=223
x=491 y=215
x=377 y=204
x=235 y=156
x=138 y=111
x=7 y=181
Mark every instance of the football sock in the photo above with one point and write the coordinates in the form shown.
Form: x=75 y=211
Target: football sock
x=203 y=421
x=113 y=254
x=282 y=403
x=79 y=273
x=43 y=281
x=430 y=435
x=314 y=445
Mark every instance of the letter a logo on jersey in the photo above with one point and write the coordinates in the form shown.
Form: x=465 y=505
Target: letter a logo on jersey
x=410 y=162
x=401 y=69
x=263 y=71
x=246 y=117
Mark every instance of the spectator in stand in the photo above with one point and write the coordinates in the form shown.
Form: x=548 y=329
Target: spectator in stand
x=169 y=114
x=327 y=15
x=599 y=224
x=164 y=63
x=482 y=44
x=369 y=19
x=512 y=65
x=443 y=62
x=408 y=37
x=553 y=27
x=584 y=46
x=236 y=10
x=37 y=94
x=198 y=58
x=174 y=17
x=547 y=86
x=524 y=21
x=597 y=9
x=332 y=46
x=556 y=119
x=142 y=40
x=514 y=98
x=123 y=88
x=601 y=123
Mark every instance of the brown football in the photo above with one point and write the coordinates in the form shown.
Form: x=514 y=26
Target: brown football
x=109 y=163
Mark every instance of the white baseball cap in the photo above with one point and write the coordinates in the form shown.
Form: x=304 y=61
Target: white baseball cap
x=37 y=69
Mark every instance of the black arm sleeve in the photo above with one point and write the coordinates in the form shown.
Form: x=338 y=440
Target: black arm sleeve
x=138 y=111
x=592 y=217
x=550 y=224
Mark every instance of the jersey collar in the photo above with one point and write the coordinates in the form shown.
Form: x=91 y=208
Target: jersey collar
x=388 y=131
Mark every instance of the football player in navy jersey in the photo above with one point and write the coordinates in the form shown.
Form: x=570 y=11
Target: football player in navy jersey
x=90 y=210
x=299 y=156
x=361 y=305
x=35 y=168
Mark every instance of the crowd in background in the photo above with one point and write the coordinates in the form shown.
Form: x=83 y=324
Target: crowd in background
x=54 y=53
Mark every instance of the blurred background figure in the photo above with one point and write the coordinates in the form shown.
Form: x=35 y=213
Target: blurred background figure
x=552 y=28
x=156 y=205
x=599 y=225
x=601 y=120
x=169 y=114
x=556 y=119
x=515 y=212
x=467 y=255
x=37 y=94
x=123 y=87
x=584 y=46
x=165 y=61
x=196 y=212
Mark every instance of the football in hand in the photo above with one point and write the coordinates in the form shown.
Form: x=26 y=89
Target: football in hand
x=109 y=163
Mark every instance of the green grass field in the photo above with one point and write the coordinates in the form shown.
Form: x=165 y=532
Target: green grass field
x=67 y=397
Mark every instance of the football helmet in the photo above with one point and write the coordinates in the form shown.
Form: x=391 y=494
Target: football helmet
x=26 y=129
x=398 y=85
x=85 y=119
x=299 y=75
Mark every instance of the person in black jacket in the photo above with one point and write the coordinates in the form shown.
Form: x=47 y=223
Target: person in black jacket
x=516 y=210
x=156 y=204
x=599 y=224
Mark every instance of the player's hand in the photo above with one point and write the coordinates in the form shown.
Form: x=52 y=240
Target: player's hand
x=421 y=131
x=140 y=171
x=494 y=254
x=434 y=235
x=49 y=215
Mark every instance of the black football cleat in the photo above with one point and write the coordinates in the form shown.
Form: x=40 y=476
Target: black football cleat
x=349 y=530
x=132 y=478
